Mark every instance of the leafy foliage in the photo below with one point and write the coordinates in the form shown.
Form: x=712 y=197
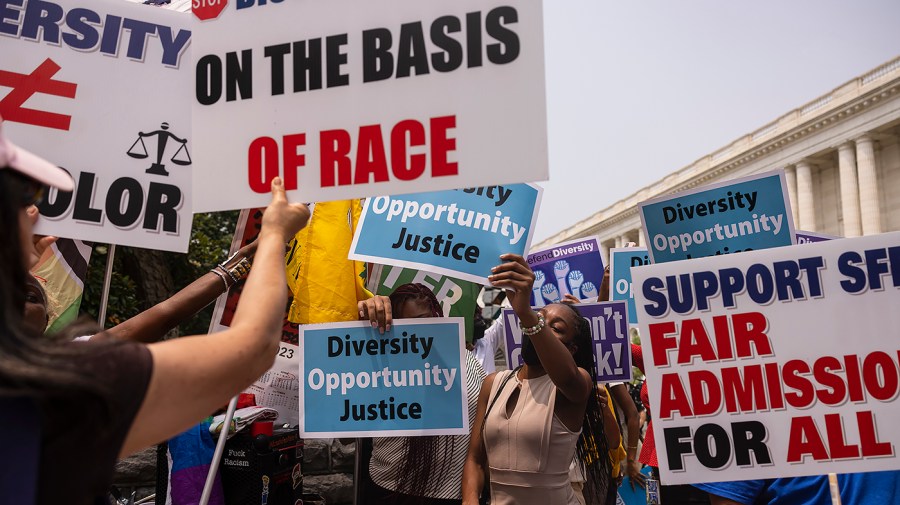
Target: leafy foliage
x=210 y=241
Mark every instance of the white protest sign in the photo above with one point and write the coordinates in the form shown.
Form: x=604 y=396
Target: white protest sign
x=775 y=363
x=353 y=98
x=101 y=88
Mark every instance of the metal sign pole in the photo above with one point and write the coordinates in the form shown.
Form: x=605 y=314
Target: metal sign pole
x=107 y=279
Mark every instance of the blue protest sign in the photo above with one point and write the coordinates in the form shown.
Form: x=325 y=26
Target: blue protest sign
x=460 y=232
x=407 y=382
x=740 y=215
x=574 y=267
x=609 y=331
x=808 y=237
x=621 y=260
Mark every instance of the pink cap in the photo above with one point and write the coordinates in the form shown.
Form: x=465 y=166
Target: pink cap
x=33 y=166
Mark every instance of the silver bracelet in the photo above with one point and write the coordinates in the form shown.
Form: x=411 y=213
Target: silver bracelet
x=221 y=276
x=534 y=330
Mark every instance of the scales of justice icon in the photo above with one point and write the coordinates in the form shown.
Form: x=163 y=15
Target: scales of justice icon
x=138 y=150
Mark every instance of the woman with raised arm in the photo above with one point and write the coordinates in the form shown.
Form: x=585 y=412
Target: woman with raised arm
x=97 y=401
x=531 y=421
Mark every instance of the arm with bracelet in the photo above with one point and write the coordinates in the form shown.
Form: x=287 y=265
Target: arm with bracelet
x=152 y=324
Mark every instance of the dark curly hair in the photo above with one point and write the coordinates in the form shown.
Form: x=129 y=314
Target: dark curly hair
x=592 y=449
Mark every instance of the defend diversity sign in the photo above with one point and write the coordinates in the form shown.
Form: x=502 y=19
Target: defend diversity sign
x=456 y=296
x=100 y=87
x=460 y=233
x=621 y=261
x=808 y=237
x=405 y=382
x=574 y=267
x=355 y=98
x=740 y=215
x=777 y=363
x=609 y=331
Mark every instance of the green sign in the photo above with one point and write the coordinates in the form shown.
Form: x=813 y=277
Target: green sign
x=458 y=297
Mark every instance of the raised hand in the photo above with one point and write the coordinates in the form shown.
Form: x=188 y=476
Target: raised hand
x=551 y=294
x=539 y=280
x=576 y=279
x=589 y=291
x=560 y=270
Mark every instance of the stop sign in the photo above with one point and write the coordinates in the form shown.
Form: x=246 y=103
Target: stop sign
x=208 y=9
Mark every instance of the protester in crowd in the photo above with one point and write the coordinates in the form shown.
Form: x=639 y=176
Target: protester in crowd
x=152 y=324
x=622 y=397
x=420 y=470
x=526 y=433
x=486 y=341
x=855 y=489
x=685 y=494
x=123 y=396
x=36 y=316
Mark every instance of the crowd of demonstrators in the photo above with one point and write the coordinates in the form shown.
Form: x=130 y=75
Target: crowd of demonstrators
x=123 y=396
x=533 y=420
x=544 y=432
x=417 y=470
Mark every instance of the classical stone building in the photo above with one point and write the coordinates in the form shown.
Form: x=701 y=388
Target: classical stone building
x=840 y=153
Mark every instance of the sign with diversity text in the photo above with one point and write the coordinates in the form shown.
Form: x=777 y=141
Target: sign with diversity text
x=354 y=98
x=100 y=88
x=571 y=268
x=460 y=233
x=457 y=297
x=609 y=334
x=409 y=381
x=809 y=237
x=621 y=261
x=777 y=363
x=740 y=215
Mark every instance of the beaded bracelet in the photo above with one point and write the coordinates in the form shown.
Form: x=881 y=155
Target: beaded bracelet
x=238 y=271
x=534 y=330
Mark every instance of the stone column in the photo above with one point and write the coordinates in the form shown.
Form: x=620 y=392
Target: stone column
x=806 y=210
x=640 y=239
x=849 y=189
x=790 y=177
x=869 y=205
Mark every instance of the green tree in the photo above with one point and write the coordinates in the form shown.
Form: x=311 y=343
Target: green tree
x=142 y=278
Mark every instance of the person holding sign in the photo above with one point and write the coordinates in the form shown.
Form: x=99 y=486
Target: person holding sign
x=532 y=421
x=121 y=396
x=420 y=470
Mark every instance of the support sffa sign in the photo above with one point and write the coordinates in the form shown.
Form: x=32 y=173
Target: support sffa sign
x=356 y=99
x=99 y=88
x=775 y=363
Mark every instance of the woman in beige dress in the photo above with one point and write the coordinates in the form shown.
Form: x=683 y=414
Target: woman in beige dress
x=532 y=421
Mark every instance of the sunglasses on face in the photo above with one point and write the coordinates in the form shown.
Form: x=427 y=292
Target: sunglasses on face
x=31 y=191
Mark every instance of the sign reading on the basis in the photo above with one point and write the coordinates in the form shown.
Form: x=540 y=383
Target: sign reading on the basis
x=460 y=233
x=609 y=331
x=354 y=99
x=457 y=297
x=725 y=218
x=621 y=261
x=777 y=363
x=100 y=87
x=408 y=381
x=571 y=268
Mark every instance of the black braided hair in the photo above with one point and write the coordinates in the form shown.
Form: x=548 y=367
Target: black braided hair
x=592 y=450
